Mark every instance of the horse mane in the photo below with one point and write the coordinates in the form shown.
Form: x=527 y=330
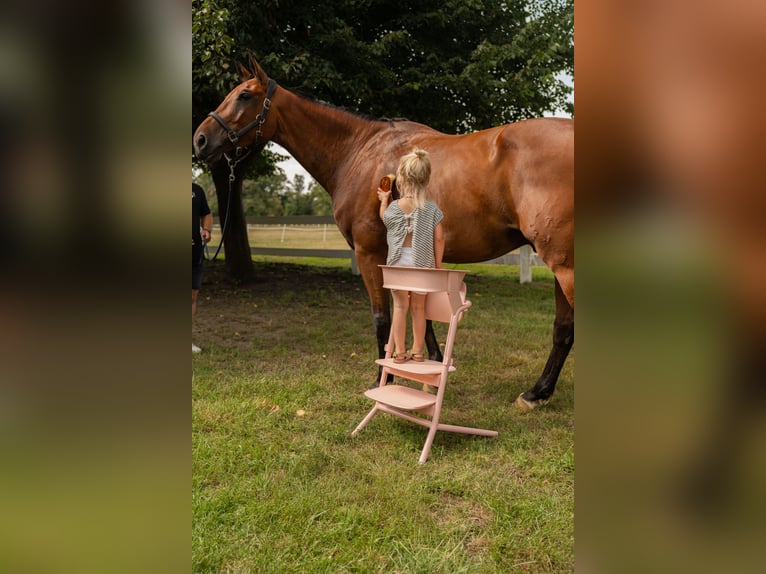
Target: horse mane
x=311 y=98
x=252 y=70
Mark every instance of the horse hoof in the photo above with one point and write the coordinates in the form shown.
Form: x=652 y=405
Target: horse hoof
x=526 y=406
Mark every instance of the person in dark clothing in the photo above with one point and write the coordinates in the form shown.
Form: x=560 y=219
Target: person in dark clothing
x=202 y=224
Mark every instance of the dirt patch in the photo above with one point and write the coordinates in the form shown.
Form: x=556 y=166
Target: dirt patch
x=233 y=315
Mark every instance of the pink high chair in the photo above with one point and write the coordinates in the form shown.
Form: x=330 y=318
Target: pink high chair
x=446 y=302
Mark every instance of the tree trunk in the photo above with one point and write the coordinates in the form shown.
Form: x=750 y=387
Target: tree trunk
x=239 y=263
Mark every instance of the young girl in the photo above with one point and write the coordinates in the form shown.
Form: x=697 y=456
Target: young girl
x=415 y=239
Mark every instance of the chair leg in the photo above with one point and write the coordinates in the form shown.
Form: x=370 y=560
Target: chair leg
x=429 y=442
x=365 y=420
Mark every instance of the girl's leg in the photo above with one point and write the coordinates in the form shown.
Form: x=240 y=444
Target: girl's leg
x=418 y=310
x=399 y=319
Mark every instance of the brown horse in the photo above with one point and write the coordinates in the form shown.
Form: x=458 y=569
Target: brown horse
x=499 y=188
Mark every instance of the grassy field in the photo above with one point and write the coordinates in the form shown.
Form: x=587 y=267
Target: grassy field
x=279 y=485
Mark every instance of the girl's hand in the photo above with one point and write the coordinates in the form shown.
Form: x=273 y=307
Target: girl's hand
x=383 y=195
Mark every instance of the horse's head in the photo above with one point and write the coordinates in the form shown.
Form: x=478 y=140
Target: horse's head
x=240 y=121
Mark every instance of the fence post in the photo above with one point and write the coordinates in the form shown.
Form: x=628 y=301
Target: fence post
x=525 y=264
x=284 y=228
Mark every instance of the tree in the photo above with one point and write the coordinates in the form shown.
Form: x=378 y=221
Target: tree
x=321 y=202
x=262 y=196
x=455 y=65
x=212 y=77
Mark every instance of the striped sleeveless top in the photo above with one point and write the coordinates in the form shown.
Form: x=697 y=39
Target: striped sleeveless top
x=423 y=221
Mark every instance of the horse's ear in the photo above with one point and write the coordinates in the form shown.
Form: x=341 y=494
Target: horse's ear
x=244 y=73
x=252 y=70
x=256 y=69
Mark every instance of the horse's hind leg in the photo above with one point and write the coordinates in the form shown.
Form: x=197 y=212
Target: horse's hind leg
x=563 y=339
x=434 y=351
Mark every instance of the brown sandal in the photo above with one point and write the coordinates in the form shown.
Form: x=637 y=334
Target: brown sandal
x=417 y=357
x=401 y=357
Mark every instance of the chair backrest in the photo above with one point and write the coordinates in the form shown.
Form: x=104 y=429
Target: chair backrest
x=445 y=287
x=422 y=279
x=439 y=306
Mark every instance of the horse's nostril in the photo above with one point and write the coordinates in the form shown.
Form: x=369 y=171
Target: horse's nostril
x=201 y=141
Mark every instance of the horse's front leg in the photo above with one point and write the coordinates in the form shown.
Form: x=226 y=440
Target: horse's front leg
x=372 y=276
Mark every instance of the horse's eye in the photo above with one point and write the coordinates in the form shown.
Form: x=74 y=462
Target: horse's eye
x=244 y=96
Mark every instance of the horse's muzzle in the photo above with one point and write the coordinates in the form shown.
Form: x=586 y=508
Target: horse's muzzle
x=205 y=147
x=200 y=143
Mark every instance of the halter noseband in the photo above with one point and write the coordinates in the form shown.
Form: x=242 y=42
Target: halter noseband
x=259 y=120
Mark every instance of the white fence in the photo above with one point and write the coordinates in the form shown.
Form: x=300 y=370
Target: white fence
x=525 y=258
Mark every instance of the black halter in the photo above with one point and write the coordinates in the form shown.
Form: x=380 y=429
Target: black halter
x=259 y=120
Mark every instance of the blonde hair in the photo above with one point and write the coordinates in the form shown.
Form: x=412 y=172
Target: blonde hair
x=413 y=174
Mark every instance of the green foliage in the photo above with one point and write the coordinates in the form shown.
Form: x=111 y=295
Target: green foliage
x=321 y=202
x=273 y=195
x=262 y=196
x=456 y=65
x=212 y=47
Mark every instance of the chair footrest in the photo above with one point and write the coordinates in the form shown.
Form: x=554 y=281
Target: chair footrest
x=400 y=397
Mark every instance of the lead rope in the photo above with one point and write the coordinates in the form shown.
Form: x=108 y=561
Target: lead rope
x=232 y=164
x=238 y=152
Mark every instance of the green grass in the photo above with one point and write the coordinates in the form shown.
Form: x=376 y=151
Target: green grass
x=279 y=485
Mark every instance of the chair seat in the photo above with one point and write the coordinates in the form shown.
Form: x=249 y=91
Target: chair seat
x=401 y=397
x=427 y=367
